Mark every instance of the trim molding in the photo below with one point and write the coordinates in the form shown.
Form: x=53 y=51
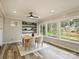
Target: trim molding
x=11 y=42
x=2 y=9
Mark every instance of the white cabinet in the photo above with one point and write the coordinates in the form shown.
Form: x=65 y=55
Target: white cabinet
x=1 y=30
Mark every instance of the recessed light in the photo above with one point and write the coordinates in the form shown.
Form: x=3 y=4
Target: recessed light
x=14 y=11
x=52 y=11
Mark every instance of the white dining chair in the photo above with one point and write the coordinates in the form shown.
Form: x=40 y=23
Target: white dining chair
x=39 y=40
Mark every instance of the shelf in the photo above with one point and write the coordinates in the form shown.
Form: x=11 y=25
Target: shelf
x=26 y=25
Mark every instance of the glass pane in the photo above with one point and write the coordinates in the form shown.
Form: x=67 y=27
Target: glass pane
x=52 y=29
x=70 y=29
x=42 y=29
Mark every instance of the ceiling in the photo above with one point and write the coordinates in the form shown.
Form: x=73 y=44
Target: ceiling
x=40 y=8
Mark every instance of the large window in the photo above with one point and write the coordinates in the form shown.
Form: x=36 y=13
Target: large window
x=52 y=29
x=70 y=29
x=67 y=29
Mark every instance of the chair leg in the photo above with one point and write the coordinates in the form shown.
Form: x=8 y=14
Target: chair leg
x=37 y=54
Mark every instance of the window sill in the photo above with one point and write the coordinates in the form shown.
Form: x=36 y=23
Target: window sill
x=63 y=39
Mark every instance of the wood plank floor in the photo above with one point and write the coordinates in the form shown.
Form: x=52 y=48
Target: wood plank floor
x=10 y=51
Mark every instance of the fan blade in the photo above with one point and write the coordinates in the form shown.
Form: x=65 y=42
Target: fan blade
x=32 y=16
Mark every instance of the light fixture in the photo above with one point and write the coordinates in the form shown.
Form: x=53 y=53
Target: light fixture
x=14 y=11
x=31 y=17
x=52 y=11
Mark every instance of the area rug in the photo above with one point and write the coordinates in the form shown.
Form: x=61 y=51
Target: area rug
x=31 y=49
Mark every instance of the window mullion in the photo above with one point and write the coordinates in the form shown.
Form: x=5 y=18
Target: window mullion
x=59 y=29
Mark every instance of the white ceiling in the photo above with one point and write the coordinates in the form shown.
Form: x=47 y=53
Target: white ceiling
x=41 y=8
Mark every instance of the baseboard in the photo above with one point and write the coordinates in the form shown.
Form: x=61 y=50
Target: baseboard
x=11 y=42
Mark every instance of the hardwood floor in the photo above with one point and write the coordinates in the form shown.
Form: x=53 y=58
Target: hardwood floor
x=10 y=51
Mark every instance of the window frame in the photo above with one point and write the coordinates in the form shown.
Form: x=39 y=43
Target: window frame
x=58 y=28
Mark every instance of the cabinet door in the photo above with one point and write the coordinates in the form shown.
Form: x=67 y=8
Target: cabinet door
x=1 y=30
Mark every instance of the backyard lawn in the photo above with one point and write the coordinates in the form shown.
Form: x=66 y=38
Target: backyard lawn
x=70 y=35
x=66 y=35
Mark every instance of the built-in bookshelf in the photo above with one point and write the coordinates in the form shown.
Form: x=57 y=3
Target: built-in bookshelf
x=29 y=27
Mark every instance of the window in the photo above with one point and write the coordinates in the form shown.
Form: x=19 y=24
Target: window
x=42 y=29
x=52 y=29
x=67 y=29
x=70 y=29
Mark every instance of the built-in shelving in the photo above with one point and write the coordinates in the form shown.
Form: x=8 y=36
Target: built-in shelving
x=29 y=27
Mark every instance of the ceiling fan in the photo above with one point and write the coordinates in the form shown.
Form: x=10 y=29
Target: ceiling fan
x=32 y=16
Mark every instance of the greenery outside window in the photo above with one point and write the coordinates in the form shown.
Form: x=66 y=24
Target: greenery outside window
x=70 y=29
x=67 y=29
x=52 y=29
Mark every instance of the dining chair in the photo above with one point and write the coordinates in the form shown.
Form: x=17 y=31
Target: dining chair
x=39 y=40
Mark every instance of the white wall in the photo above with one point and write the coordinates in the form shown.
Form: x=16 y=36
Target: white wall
x=12 y=34
x=74 y=46
x=1 y=29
